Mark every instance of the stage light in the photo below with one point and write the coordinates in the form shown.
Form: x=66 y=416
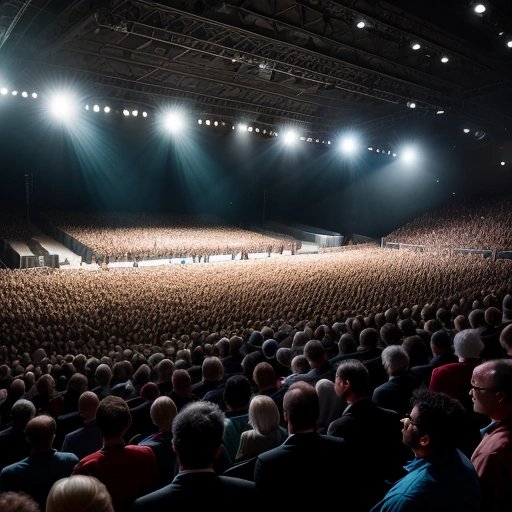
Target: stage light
x=106 y=110
x=126 y=112
x=174 y=121
x=249 y=129
x=207 y=122
x=257 y=130
x=439 y=112
x=290 y=137
x=144 y=114
x=361 y=24
x=479 y=8
x=135 y=113
x=14 y=93
x=199 y=121
x=24 y=94
x=34 y=95
x=466 y=130
x=86 y=107
x=416 y=46
x=216 y=123
x=96 y=108
x=409 y=154
x=502 y=163
x=242 y=127
x=349 y=145
x=411 y=104
x=509 y=43
x=3 y=91
x=444 y=59
x=63 y=106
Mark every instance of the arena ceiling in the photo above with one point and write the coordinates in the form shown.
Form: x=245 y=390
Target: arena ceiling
x=276 y=61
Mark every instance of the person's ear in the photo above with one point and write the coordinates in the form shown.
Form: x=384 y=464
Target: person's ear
x=424 y=440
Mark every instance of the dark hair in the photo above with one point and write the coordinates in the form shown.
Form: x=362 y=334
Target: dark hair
x=197 y=434
x=314 y=350
x=440 y=416
x=237 y=391
x=17 y=502
x=301 y=405
x=113 y=416
x=356 y=373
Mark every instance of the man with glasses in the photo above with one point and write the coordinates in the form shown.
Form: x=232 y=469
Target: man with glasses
x=491 y=391
x=440 y=477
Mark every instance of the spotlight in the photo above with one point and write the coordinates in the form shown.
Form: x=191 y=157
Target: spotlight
x=199 y=121
x=14 y=93
x=63 y=106
x=257 y=130
x=106 y=110
x=96 y=108
x=361 y=24
x=411 y=104
x=174 y=121
x=144 y=114
x=416 y=46
x=509 y=43
x=444 y=59
x=24 y=94
x=479 y=8
x=466 y=130
x=348 y=145
x=86 y=107
x=439 y=112
x=207 y=122
x=249 y=129
x=290 y=137
x=3 y=91
x=216 y=123
x=409 y=155
x=242 y=127
x=502 y=163
x=34 y=95
x=135 y=113
x=126 y=112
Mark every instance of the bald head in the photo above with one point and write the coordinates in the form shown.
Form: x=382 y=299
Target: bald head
x=40 y=432
x=88 y=405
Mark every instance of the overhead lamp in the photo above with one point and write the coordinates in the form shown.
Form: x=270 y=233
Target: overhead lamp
x=126 y=112
x=361 y=24
x=24 y=94
x=509 y=43
x=208 y=122
x=3 y=91
x=444 y=59
x=106 y=109
x=411 y=104
x=96 y=108
x=14 y=93
x=135 y=113
x=440 y=111
x=466 y=130
x=34 y=95
x=416 y=46
x=479 y=8
x=502 y=163
x=144 y=114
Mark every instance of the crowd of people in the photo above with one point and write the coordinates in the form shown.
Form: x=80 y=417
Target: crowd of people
x=126 y=237
x=467 y=224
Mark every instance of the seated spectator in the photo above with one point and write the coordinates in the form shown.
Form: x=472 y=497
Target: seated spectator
x=373 y=432
x=197 y=436
x=301 y=458
x=37 y=473
x=181 y=393
x=440 y=477
x=79 y=493
x=127 y=471
x=163 y=412
x=506 y=340
x=491 y=390
x=331 y=405
x=13 y=443
x=87 y=439
x=266 y=432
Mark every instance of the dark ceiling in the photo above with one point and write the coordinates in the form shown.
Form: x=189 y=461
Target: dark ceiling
x=275 y=61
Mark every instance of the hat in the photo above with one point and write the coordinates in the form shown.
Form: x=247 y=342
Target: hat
x=507 y=308
x=269 y=348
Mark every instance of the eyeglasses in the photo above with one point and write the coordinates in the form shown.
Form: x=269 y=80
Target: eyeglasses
x=411 y=421
x=478 y=388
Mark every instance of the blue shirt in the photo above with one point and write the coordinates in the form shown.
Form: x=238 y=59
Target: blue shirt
x=442 y=483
